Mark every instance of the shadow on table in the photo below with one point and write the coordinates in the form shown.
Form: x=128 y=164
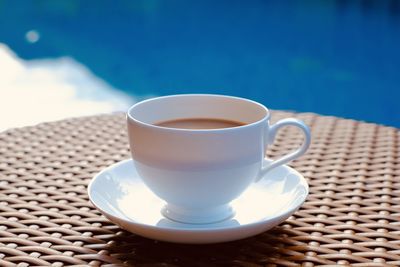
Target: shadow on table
x=262 y=249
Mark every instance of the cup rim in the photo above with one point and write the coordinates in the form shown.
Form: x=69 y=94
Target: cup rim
x=131 y=118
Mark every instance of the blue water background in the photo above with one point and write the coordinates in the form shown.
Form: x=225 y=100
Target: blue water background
x=337 y=58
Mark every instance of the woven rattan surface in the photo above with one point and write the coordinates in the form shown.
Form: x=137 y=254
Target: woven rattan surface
x=351 y=216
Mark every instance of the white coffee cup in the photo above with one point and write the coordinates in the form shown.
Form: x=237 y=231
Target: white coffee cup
x=198 y=172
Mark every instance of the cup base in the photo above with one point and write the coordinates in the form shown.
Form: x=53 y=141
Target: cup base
x=198 y=216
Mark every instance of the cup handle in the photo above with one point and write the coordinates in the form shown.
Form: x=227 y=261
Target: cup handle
x=270 y=137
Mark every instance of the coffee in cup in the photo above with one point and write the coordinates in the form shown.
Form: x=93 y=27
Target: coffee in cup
x=199 y=123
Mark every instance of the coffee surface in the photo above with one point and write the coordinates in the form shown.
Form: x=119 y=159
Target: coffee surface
x=200 y=123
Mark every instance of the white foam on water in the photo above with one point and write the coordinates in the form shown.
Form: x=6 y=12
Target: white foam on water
x=34 y=91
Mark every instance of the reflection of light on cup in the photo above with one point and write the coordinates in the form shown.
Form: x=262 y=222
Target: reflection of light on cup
x=32 y=36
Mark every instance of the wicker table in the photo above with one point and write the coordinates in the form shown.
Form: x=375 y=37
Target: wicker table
x=351 y=217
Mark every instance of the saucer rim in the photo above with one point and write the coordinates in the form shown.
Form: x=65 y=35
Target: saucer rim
x=280 y=217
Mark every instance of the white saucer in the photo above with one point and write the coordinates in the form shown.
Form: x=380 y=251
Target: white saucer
x=119 y=193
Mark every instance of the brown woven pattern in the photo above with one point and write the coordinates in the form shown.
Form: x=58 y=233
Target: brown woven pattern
x=351 y=217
